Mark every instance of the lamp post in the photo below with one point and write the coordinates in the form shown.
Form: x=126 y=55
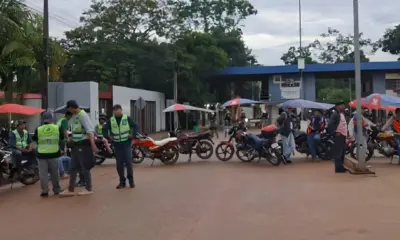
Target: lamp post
x=357 y=73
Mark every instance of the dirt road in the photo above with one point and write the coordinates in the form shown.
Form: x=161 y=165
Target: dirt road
x=213 y=201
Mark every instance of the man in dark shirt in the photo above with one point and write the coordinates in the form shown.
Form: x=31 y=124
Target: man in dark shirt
x=286 y=124
x=121 y=129
x=22 y=148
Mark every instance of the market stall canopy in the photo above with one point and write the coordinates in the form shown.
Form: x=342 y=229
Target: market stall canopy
x=63 y=109
x=182 y=107
x=381 y=101
x=12 y=108
x=239 y=101
x=301 y=103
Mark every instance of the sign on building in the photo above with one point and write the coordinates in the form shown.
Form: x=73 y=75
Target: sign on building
x=140 y=103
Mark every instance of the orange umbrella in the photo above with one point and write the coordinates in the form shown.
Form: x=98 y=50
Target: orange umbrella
x=353 y=104
x=12 y=108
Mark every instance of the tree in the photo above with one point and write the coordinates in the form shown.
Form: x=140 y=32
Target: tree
x=390 y=41
x=292 y=55
x=334 y=95
x=333 y=47
x=341 y=48
x=115 y=20
x=205 y=15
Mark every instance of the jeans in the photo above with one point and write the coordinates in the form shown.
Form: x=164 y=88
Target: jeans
x=123 y=156
x=62 y=161
x=288 y=145
x=18 y=156
x=82 y=159
x=397 y=138
x=256 y=140
x=46 y=167
x=313 y=140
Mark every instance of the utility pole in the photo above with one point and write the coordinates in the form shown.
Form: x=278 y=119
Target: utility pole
x=175 y=78
x=45 y=74
x=357 y=72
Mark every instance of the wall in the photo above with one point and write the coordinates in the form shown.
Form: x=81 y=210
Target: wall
x=307 y=90
x=378 y=82
x=32 y=122
x=124 y=96
x=85 y=93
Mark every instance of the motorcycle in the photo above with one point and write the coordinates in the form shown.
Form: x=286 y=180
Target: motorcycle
x=166 y=150
x=323 y=147
x=372 y=141
x=29 y=173
x=102 y=154
x=225 y=149
x=384 y=142
x=199 y=143
x=268 y=148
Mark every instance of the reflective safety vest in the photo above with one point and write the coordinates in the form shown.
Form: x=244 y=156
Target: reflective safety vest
x=59 y=123
x=99 y=129
x=311 y=127
x=120 y=133
x=396 y=125
x=21 y=142
x=78 y=131
x=48 y=139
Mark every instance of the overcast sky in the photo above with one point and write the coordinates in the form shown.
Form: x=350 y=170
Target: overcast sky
x=275 y=27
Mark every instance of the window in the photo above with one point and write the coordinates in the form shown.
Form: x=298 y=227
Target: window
x=277 y=79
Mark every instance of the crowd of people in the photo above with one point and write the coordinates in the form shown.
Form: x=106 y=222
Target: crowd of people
x=68 y=147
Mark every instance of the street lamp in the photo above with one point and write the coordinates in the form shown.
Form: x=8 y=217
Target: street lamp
x=357 y=72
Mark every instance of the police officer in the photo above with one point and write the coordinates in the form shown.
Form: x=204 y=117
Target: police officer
x=64 y=123
x=49 y=138
x=122 y=130
x=83 y=146
x=21 y=146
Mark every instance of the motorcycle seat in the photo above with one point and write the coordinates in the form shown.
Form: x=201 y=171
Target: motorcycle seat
x=199 y=135
x=165 y=141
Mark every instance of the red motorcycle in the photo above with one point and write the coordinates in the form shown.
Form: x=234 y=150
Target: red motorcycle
x=166 y=150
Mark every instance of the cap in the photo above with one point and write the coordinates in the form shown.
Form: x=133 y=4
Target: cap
x=19 y=122
x=102 y=117
x=72 y=104
x=117 y=106
x=47 y=117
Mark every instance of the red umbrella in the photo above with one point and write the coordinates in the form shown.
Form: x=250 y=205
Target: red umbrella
x=12 y=108
x=353 y=104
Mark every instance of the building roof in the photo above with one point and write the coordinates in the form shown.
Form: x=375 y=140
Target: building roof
x=311 y=68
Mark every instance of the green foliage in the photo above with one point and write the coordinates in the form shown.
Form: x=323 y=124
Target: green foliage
x=332 y=47
x=390 y=41
x=141 y=44
x=21 y=45
x=333 y=95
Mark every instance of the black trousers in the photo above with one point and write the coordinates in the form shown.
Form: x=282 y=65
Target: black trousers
x=338 y=152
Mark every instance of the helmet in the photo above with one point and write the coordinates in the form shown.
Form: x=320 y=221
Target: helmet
x=103 y=117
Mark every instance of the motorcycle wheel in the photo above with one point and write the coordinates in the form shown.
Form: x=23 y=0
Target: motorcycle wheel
x=173 y=156
x=137 y=155
x=368 y=156
x=32 y=178
x=204 y=149
x=245 y=155
x=224 y=152
x=275 y=157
